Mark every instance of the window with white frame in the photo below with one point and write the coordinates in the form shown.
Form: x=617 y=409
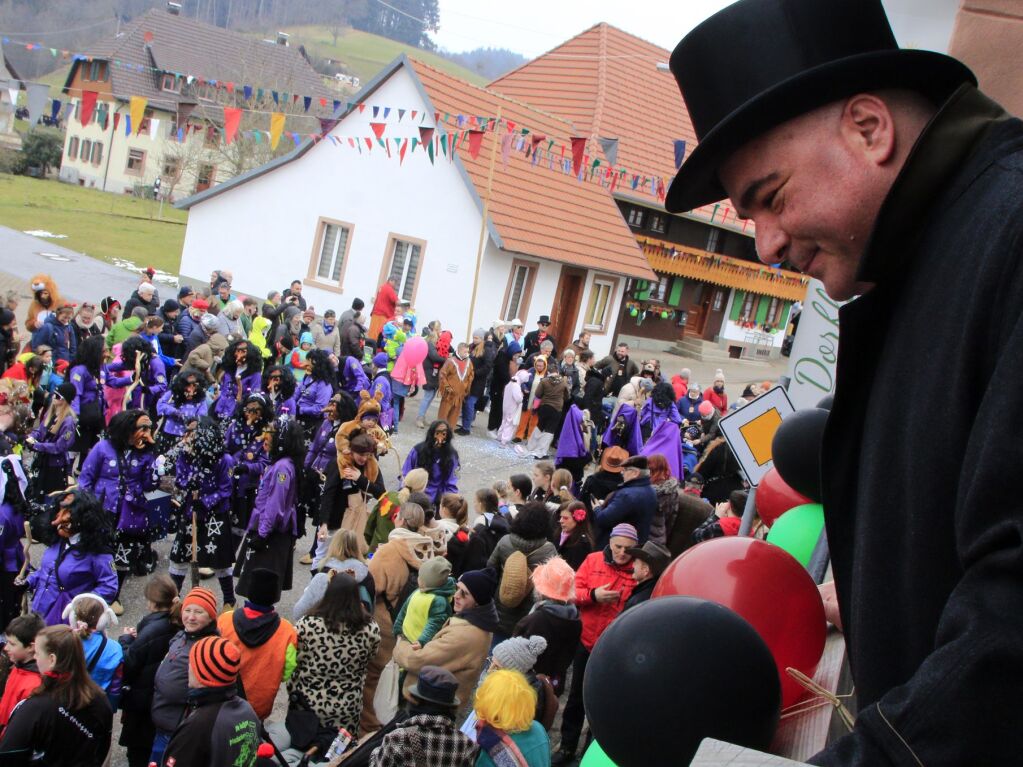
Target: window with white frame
x=170 y=83
x=404 y=266
x=136 y=164
x=72 y=148
x=657 y=223
x=636 y=216
x=746 y=315
x=86 y=150
x=331 y=252
x=598 y=308
x=659 y=289
x=97 y=153
x=773 y=311
x=719 y=301
x=520 y=288
x=713 y=237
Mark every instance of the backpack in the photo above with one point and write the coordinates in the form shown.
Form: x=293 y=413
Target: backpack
x=515 y=584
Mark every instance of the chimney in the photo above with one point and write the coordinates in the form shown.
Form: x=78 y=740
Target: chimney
x=282 y=38
x=174 y=9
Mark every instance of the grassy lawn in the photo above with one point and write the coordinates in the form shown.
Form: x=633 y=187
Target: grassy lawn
x=100 y=224
x=366 y=54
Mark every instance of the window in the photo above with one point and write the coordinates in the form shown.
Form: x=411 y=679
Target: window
x=746 y=315
x=97 y=153
x=773 y=312
x=330 y=252
x=657 y=223
x=171 y=167
x=714 y=239
x=96 y=71
x=519 y=290
x=659 y=289
x=598 y=308
x=719 y=300
x=72 y=148
x=136 y=162
x=86 y=150
x=170 y=83
x=636 y=216
x=405 y=262
x=204 y=179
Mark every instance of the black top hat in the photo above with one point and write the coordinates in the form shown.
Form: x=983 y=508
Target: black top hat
x=436 y=685
x=544 y=320
x=759 y=63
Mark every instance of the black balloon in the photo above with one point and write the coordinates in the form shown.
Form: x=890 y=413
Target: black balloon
x=673 y=671
x=796 y=450
x=826 y=402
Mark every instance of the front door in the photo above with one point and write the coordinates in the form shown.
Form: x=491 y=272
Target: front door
x=714 y=311
x=565 y=310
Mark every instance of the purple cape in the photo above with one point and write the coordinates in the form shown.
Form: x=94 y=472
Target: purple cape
x=667 y=441
x=631 y=439
x=570 y=442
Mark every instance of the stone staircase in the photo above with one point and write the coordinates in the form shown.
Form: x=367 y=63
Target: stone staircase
x=698 y=349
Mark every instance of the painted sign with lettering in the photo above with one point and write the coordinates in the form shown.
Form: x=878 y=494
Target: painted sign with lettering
x=815 y=348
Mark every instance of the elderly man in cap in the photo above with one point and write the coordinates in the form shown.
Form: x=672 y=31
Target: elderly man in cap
x=886 y=174
x=633 y=502
x=428 y=736
x=648 y=562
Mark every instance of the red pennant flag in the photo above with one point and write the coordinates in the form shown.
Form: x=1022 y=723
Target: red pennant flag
x=230 y=87
x=436 y=117
x=378 y=129
x=511 y=125
x=88 y=106
x=362 y=108
x=535 y=139
x=414 y=113
x=401 y=152
x=117 y=120
x=475 y=143
x=323 y=101
x=351 y=142
x=425 y=135
x=232 y=117
x=578 y=149
x=369 y=143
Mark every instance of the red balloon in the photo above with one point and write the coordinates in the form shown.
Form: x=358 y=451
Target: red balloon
x=766 y=586
x=774 y=497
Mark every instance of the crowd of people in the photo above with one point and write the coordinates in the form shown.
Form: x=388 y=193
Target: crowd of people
x=440 y=622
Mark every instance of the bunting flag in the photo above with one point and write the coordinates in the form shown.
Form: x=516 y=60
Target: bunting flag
x=387 y=111
x=232 y=117
x=37 y=94
x=578 y=149
x=127 y=125
x=362 y=107
x=137 y=110
x=415 y=141
x=259 y=94
x=55 y=110
x=429 y=146
x=181 y=133
x=336 y=104
x=401 y=114
x=247 y=92
x=378 y=129
x=154 y=128
x=506 y=145
x=475 y=143
x=276 y=128
x=327 y=124
x=401 y=151
x=307 y=101
x=426 y=136
x=88 y=105
x=230 y=87
x=117 y=120
x=680 y=152
x=376 y=112
x=277 y=97
x=369 y=143
x=323 y=101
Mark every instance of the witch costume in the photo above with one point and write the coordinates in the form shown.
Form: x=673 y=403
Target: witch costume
x=623 y=430
x=203 y=478
x=179 y=407
x=12 y=531
x=573 y=443
x=244 y=442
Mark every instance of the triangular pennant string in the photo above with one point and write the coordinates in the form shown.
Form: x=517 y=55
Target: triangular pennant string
x=232 y=118
x=87 y=107
x=378 y=128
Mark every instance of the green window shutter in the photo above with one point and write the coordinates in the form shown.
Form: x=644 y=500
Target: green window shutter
x=737 y=301
x=675 y=297
x=762 y=307
x=783 y=318
x=642 y=291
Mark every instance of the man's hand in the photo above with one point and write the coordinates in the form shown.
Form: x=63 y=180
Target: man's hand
x=603 y=594
x=827 y=591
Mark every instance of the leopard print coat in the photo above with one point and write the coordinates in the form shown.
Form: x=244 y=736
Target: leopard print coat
x=331 y=670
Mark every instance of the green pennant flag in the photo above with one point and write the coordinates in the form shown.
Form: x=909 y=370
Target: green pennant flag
x=381 y=142
x=429 y=151
x=258 y=135
x=550 y=145
x=259 y=94
x=444 y=144
x=415 y=141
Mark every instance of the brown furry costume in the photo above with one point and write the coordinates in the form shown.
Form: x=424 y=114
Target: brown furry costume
x=34 y=308
x=368 y=406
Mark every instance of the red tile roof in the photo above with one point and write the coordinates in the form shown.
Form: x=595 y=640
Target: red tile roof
x=536 y=210
x=607 y=83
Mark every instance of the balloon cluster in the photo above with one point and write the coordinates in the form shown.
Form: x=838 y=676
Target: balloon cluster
x=725 y=621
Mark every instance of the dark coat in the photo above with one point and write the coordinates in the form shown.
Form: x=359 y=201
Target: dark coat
x=219 y=729
x=561 y=626
x=143 y=655
x=924 y=520
x=61 y=338
x=634 y=502
x=152 y=306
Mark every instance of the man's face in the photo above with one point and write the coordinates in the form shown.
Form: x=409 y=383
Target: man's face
x=629 y=473
x=186 y=301
x=622 y=351
x=224 y=290
x=620 y=546
x=296 y=288
x=640 y=571
x=463 y=599
x=812 y=196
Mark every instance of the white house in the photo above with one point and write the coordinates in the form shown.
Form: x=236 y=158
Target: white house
x=344 y=213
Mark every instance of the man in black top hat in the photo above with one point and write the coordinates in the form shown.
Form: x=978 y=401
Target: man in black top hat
x=531 y=343
x=887 y=175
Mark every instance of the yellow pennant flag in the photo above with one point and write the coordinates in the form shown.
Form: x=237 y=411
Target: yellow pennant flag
x=276 y=128
x=137 y=110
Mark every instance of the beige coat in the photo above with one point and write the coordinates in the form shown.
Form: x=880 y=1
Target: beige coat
x=459 y=647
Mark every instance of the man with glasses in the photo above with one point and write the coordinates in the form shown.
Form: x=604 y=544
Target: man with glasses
x=531 y=343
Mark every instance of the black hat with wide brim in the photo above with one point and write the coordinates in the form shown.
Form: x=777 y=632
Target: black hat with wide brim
x=759 y=63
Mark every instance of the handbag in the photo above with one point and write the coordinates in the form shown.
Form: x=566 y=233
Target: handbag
x=385 y=699
x=303 y=725
x=357 y=514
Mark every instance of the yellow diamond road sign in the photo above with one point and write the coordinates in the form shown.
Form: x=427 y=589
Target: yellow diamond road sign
x=750 y=430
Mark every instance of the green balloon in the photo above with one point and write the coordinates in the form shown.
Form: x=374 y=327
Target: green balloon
x=797 y=531
x=595 y=757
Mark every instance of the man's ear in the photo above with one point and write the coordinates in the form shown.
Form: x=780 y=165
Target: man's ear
x=868 y=126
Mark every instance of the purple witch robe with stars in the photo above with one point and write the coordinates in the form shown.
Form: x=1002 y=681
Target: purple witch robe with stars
x=353 y=377
x=273 y=527
x=382 y=383
x=631 y=439
x=215 y=544
x=573 y=452
x=667 y=440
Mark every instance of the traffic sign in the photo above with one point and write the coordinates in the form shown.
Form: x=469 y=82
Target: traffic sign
x=750 y=430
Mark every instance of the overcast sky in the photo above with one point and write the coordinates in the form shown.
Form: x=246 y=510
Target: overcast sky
x=531 y=27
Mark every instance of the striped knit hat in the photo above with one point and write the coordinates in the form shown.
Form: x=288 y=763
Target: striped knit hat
x=214 y=661
x=204 y=598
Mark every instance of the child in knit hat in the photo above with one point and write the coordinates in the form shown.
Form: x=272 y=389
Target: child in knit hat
x=429 y=606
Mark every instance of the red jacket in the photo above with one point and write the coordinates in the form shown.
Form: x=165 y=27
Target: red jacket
x=719 y=401
x=680 y=385
x=385 y=302
x=20 y=683
x=598 y=569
